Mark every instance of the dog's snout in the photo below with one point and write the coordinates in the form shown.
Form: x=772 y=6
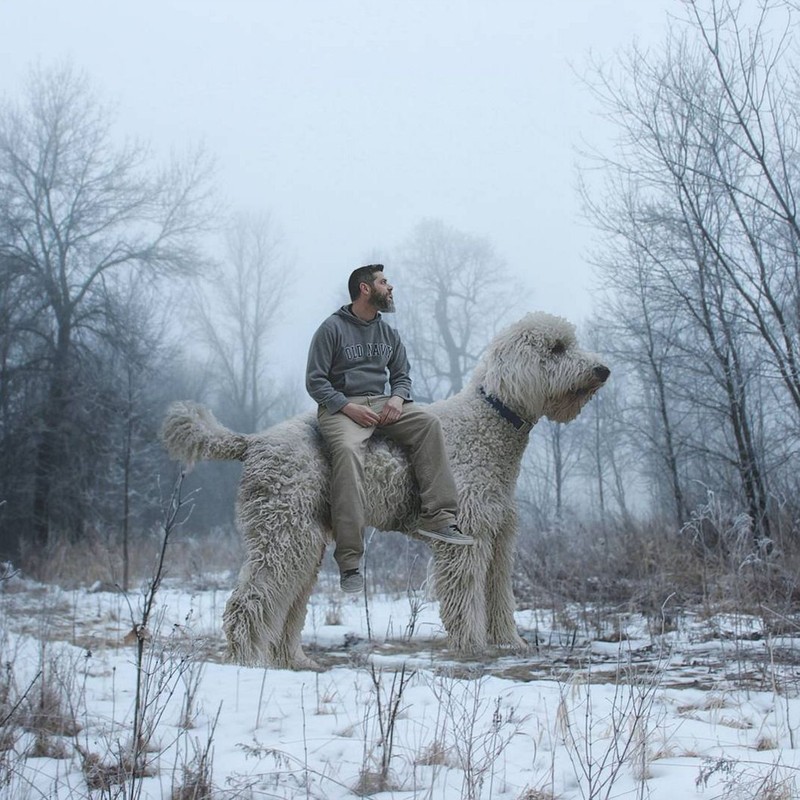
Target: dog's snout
x=602 y=373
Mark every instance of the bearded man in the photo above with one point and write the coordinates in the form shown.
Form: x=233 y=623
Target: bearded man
x=353 y=355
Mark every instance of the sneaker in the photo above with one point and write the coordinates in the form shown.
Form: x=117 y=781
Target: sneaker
x=352 y=581
x=451 y=534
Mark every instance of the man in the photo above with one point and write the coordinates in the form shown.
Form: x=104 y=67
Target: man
x=351 y=356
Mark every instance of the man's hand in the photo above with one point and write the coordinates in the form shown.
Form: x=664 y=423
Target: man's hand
x=363 y=415
x=391 y=410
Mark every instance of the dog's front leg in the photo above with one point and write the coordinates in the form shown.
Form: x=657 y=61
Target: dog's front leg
x=500 y=603
x=460 y=588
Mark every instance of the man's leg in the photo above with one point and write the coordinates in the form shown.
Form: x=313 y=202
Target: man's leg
x=421 y=432
x=347 y=443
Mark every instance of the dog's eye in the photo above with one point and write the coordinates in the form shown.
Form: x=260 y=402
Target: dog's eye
x=558 y=349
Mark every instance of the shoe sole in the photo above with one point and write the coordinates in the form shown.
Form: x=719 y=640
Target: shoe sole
x=352 y=590
x=442 y=538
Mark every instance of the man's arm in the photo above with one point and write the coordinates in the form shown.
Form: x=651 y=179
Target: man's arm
x=320 y=360
x=399 y=382
x=400 y=371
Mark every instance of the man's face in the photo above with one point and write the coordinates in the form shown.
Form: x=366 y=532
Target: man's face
x=380 y=293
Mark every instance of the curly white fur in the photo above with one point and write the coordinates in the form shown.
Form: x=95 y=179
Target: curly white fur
x=534 y=368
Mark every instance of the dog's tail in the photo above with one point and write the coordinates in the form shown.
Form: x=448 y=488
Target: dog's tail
x=192 y=433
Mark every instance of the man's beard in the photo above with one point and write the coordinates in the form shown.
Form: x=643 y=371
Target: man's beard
x=383 y=302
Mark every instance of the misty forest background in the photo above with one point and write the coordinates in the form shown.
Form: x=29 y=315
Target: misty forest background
x=125 y=284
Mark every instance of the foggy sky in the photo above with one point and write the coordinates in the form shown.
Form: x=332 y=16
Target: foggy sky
x=350 y=121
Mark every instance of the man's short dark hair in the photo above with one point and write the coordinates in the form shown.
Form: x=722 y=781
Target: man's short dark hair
x=361 y=275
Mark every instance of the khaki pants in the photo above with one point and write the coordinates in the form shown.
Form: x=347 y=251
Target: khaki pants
x=347 y=440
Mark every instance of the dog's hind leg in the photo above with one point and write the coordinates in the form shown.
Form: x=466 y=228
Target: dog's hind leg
x=264 y=617
x=252 y=619
x=501 y=628
x=287 y=653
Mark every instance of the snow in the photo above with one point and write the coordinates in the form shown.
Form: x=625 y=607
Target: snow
x=709 y=708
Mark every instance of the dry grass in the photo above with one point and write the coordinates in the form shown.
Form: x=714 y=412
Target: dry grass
x=537 y=794
x=206 y=561
x=372 y=782
x=103 y=772
x=196 y=778
x=766 y=743
x=46 y=712
x=333 y=613
x=436 y=754
x=712 y=565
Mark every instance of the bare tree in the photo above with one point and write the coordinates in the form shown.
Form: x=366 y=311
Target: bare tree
x=456 y=295
x=79 y=212
x=237 y=309
x=548 y=467
x=701 y=193
x=609 y=455
x=642 y=332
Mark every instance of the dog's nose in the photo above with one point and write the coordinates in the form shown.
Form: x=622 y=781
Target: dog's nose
x=602 y=373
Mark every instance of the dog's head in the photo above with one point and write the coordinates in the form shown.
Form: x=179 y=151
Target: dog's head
x=537 y=369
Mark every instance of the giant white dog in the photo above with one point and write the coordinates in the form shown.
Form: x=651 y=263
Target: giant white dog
x=532 y=369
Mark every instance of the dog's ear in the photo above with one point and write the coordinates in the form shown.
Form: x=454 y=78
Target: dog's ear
x=495 y=376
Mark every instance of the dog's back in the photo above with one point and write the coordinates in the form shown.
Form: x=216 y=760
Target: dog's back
x=289 y=463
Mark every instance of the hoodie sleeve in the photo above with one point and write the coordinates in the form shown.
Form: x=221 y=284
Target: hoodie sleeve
x=400 y=371
x=320 y=361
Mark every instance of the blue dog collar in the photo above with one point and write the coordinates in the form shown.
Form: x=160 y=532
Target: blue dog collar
x=505 y=412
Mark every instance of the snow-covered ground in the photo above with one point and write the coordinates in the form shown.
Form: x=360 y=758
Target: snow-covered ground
x=603 y=706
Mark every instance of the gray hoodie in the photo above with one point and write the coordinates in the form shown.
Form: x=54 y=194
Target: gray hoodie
x=350 y=357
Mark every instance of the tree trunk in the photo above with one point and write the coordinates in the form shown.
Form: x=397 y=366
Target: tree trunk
x=558 y=468
x=126 y=471
x=455 y=373
x=50 y=450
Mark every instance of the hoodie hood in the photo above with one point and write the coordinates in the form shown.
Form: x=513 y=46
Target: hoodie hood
x=346 y=312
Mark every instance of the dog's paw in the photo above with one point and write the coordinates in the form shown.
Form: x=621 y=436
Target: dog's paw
x=306 y=664
x=515 y=644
